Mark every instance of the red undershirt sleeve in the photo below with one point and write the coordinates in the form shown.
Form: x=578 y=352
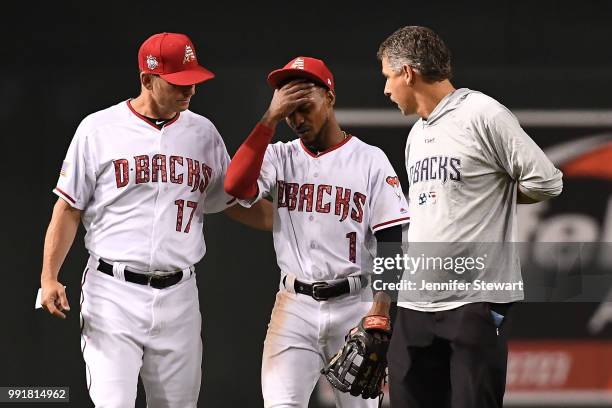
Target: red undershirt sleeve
x=244 y=169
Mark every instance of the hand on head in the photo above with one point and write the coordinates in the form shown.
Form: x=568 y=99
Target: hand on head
x=287 y=98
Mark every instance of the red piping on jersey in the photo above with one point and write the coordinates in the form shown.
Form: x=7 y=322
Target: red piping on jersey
x=329 y=149
x=148 y=121
x=66 y=195
x=390 y=222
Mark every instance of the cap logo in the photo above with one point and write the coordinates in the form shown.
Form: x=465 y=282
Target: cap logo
x=298 y=64
x=189 y=55
x=151 y=62
x=328 y=81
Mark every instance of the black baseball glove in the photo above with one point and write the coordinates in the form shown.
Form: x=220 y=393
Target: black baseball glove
x=360 y=366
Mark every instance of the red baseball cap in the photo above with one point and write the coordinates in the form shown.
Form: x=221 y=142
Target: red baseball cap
x=303 y=67
x=172 y=56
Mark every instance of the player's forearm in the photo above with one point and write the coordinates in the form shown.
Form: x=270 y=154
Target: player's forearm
x=270 y=119
x=259 y=216
x=388 y=246
x=244 y=169
x=381 y=305
x=58 y=240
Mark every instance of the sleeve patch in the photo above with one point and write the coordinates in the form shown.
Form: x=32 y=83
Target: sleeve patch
x=393 y=181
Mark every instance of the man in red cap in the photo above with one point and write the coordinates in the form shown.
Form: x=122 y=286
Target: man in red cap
x=334 y=196
x=140 y=175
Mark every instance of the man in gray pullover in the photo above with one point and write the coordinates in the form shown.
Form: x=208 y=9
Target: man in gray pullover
x=469 y=163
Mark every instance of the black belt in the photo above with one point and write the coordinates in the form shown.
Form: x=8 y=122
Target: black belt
x=321 y=290
x=155 y=281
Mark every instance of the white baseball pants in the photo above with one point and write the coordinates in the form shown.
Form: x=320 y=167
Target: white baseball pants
x=302 y=335
x=130 y=329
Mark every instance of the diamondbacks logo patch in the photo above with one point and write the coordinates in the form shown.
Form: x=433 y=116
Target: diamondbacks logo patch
x=151 y=62
x=189 y=55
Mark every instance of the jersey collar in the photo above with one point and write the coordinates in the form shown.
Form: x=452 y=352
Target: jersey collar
x=146 y=120
x=329 y=149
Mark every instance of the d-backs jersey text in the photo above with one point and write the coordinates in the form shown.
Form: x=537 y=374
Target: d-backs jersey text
x=329 y=205
x=144 y=190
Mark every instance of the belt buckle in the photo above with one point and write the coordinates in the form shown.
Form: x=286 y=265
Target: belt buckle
x=156 y=280
x=317 y=285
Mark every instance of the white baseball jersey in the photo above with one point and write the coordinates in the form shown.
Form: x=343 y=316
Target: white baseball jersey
x=464 y=164
x=144 y=190
x=328 y=206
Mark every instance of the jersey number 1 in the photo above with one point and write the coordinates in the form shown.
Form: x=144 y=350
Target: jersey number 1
x=179 y=214
x=352 y=237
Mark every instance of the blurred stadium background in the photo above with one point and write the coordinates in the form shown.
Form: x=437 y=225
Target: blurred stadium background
x=549 y=61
